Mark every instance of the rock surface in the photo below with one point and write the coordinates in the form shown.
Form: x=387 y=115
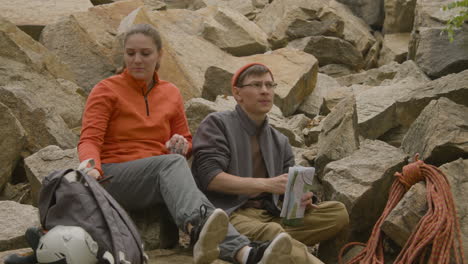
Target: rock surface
x=16 y=218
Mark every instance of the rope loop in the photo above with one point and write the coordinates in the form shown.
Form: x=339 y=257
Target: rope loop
x=412 y=173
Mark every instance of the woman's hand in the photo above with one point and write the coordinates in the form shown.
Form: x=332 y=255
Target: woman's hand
x=177 y=145
x=95 y=174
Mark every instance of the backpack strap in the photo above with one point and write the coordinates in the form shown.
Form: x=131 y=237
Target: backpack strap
x=102 y=197
x=99 y=194
x=47 y=193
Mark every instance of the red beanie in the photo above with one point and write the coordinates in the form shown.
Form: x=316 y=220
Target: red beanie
x=245 y=67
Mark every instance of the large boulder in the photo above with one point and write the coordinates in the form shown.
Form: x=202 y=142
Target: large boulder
x=399 y=16
x=376 y=107
x=13 y=140
x=436 y=55
x=42 y=123
x=45 y=161
x=355 y=30
x=285 y=20
x=312 y=104
x=249 y=8
x=453 y=87
x=339 y=136
x=330 y=50
x=385 y=75
x=361 y=182
x=18 y=46
x=32 y=15
x=372 y=11
x=430 y=47
x=84 y=41
x=404 y=218
x=232 y=32
x=14 y=221
x=401 y=222
x=394 y=48
x=440 y=133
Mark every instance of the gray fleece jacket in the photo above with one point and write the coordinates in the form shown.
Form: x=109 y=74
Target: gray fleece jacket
x=222 y=144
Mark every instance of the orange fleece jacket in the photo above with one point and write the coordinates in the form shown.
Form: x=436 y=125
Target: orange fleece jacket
x=118 y=125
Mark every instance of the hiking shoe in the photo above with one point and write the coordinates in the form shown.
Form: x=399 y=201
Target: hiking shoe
x=27 y=258
x=208 y=234
x=276 y=251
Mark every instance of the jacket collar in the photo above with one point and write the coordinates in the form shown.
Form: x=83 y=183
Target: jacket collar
x=248 y=124
x=139 y=83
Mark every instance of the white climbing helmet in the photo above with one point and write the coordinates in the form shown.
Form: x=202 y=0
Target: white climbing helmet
x=70 y=243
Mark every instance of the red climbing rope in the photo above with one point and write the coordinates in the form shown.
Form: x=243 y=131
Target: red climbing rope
x=438 y=231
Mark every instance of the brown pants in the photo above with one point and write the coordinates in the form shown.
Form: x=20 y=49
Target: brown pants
x=319 y=224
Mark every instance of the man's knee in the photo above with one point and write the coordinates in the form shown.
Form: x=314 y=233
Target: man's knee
x=341 y=216
x=269 y=230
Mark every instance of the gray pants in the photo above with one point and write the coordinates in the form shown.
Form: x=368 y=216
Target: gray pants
x=143 y=183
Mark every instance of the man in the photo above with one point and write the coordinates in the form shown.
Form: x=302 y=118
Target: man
x=241 y=163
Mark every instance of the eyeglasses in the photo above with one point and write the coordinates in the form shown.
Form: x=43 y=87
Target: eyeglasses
x=259 y=85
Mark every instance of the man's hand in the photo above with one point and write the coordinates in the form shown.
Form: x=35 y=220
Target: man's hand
x=307 y=200
x=276 y=185
x=95 y=174
x=177 y=145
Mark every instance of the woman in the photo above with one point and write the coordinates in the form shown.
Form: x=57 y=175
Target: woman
x=135 y=129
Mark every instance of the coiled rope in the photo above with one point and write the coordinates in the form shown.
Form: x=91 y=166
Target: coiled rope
x=438 y=231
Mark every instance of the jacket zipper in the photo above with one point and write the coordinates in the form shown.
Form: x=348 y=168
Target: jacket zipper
x=145 y=96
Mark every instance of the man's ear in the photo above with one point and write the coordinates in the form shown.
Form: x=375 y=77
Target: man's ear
x=235 y=93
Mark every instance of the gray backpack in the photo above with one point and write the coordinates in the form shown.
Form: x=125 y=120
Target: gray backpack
x=73 y=198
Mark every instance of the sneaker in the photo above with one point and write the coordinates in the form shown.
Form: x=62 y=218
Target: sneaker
x=276 y=251
x=208 y=234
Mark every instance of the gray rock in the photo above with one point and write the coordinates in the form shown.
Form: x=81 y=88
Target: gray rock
x=313 y=103
x=13 y=141
x=372 y=11
x=339 y=135
x=372 y=57
x=40 y=12
x=16 y=218
x=401 y=222
x=336 y=70
x=285 y=20
x=440 y=133
x=456 y=172
x=248 y=8
x=410 y=105
x=385 y=75
x=361 y=181
x=46 y=160
x=355 y=31
x=330 y=50
x=394 y=48
x=42 y=123
x=399 y=16
x=431 y=50
x=232 y=32
x=376 y=107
